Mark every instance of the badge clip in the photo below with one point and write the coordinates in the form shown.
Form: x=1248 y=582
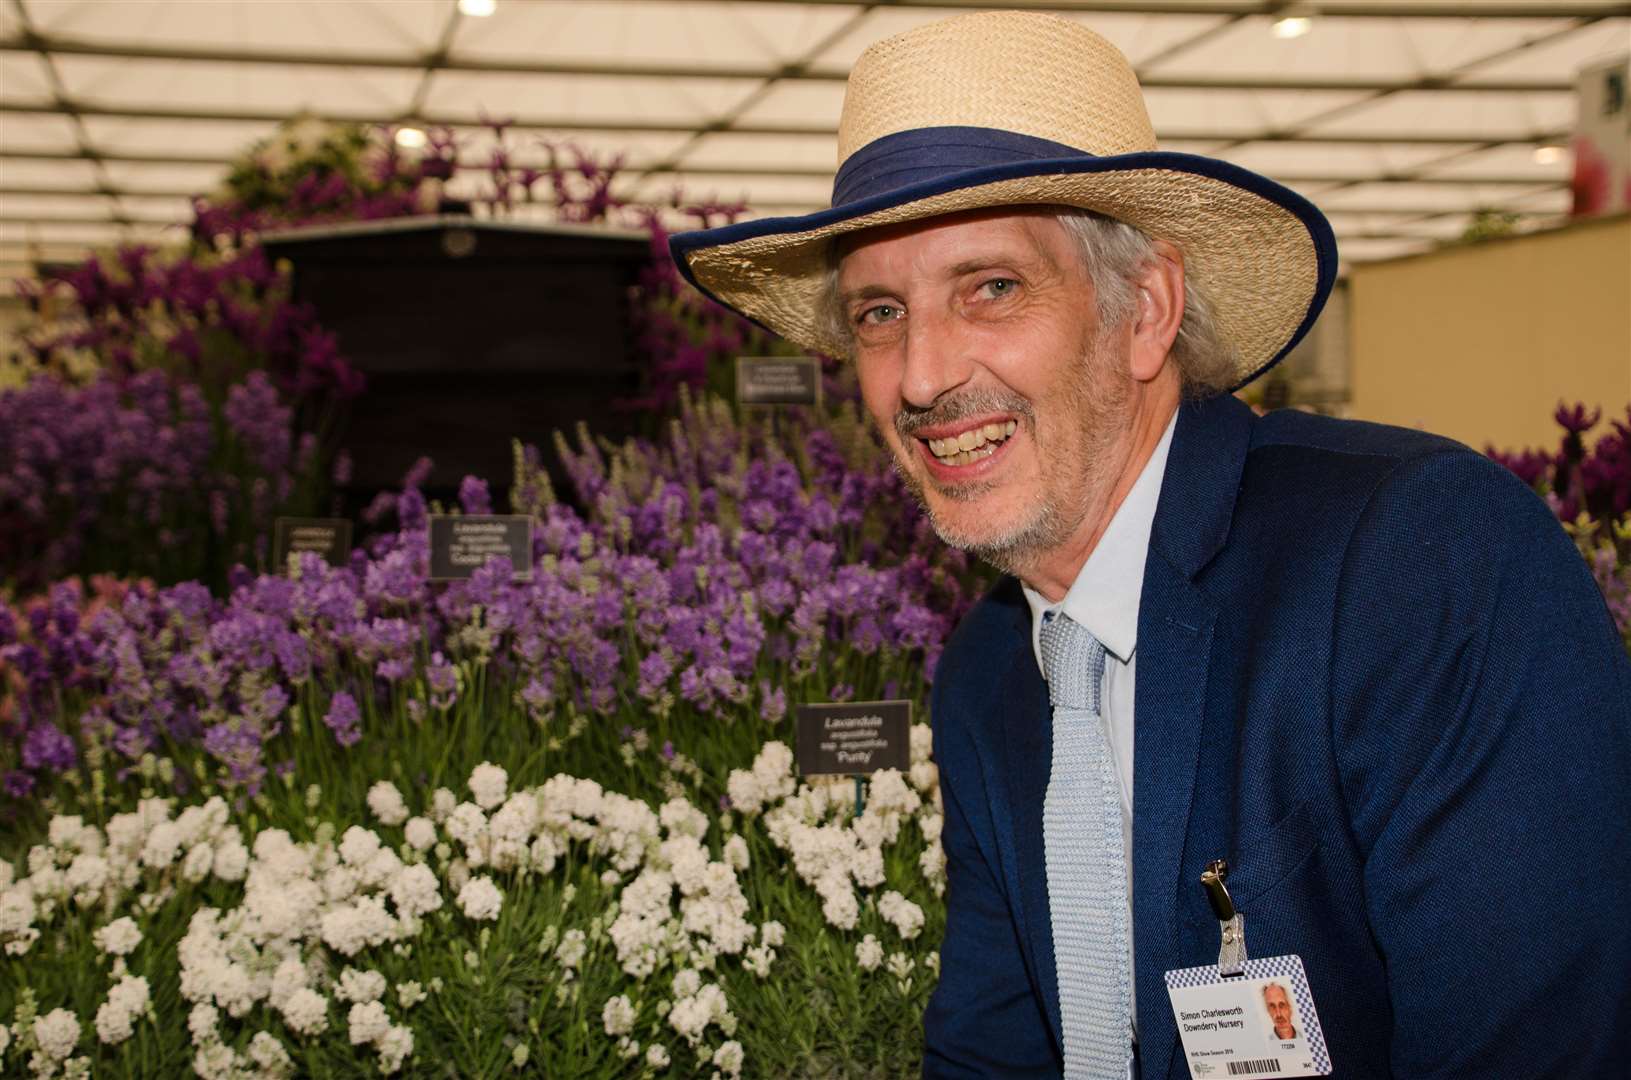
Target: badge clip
x=1231 y=923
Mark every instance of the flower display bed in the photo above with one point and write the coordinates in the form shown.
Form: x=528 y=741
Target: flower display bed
x=347 y=821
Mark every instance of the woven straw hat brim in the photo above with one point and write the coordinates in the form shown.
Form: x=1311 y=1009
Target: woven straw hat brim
x=1266 y=255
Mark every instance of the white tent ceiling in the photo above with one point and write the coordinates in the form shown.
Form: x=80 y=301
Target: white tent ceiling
x=1398 y=117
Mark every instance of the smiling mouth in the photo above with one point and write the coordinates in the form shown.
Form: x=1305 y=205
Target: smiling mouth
x=971 y=445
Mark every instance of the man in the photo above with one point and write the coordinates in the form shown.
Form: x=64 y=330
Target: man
x=1362 y=665
x=1278 y=1004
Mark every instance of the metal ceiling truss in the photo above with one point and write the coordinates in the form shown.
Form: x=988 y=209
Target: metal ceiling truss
x=637 y=125
x=1401 y=176
x=1563 y=18
x=1339 y=9
x=792 y=71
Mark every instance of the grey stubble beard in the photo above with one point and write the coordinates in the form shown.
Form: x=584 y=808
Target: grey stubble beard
x=1102 y=412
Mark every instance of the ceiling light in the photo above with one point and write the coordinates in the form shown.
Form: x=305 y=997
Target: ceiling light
x=410 y=138
x=1292 y=26
x=1548 y=154
x=477 y=9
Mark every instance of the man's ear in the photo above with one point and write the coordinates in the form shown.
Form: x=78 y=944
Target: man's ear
x=1158 y=309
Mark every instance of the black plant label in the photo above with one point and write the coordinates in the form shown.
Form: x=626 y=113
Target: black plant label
x=329 y=537
x=461 y=544
x=778 y=380
x=856 y=738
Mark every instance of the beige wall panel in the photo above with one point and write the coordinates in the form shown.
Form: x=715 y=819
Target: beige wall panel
x=1481 y=342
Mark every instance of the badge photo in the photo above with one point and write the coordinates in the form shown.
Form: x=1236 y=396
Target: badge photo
x=1260 y=1024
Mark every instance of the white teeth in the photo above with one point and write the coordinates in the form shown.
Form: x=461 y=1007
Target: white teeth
x=972 y=444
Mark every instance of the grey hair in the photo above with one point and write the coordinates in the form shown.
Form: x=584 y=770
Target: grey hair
x=1113 y=253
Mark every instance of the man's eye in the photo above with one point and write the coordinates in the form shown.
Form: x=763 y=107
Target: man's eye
x=998 y=287
x=879 y=313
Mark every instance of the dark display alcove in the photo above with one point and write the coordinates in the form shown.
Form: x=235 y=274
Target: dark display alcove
x=470 y=333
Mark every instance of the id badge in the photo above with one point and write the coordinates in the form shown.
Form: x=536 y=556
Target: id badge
x=1260 y=1024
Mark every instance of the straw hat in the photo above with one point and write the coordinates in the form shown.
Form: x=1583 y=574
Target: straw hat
x=1013 y=108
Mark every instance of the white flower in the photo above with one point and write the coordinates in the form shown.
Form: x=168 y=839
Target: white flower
x=162 y=846
x=686 y=983
x=736 y=853
x=231 y=860
x=729 y=1058
x=86 y=876
x=394 y=1047
x=840 y=907
x=680 y=818
x=420 y=833
x=757 y=960
x=64 y=830
x=868 y=953
x=196 y=866
x=571 y=949
x=385 y=802
x=933 y=865
x=906 y=916
x=618 y=1015
x=306 y=1012
x=5 y=1032
x=201 y=1023
x=900 y=965
x=360 y=986
x=350 y=928
x=359 y=845
x=367 y=1022
x=269 y=1054
x=16 y=913
x=217 y=1061
x=690 y=1015
x=113 y=1024
x=466 y=824
x=56 y=1033
x=925 y=776
x=119 y=937
x=480 y=898
x=442 y=802
x=657 y=1056
x=290 y=976
x=773 y=933
x=415 y=890
x=409 y=994
x=488 y=783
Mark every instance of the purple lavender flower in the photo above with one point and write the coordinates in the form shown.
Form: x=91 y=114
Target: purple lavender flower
x=443 y=681
x=344 y=719
x=474 y=496
x=47 y=747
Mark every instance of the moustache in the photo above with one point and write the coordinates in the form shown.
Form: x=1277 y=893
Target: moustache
x=909 y=421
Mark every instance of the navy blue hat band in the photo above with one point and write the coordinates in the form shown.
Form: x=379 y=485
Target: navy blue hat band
x=926 y=154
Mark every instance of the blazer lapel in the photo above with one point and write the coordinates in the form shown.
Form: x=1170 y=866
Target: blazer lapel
x=1174 y=643
x=1029 y=752
x=1175 y=627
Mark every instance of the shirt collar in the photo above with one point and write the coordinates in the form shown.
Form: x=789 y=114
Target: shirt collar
x=1104 y=597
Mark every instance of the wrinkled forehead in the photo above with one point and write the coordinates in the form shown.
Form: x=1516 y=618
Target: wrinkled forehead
x=1036 y=227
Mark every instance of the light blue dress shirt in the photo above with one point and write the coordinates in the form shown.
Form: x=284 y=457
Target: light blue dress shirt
x=1104 y=598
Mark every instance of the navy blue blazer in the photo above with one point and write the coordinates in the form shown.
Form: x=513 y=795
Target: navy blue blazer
x=1374 y=675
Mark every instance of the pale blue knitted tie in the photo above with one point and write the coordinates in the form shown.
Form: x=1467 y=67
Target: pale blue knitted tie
x=1087 y=867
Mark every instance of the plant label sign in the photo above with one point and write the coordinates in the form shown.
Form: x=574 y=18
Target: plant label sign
x=778 y=380
x=461 y=544
x=855 y=738
x=329 y=537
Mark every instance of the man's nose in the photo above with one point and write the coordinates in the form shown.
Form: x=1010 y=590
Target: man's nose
x=938 y=359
